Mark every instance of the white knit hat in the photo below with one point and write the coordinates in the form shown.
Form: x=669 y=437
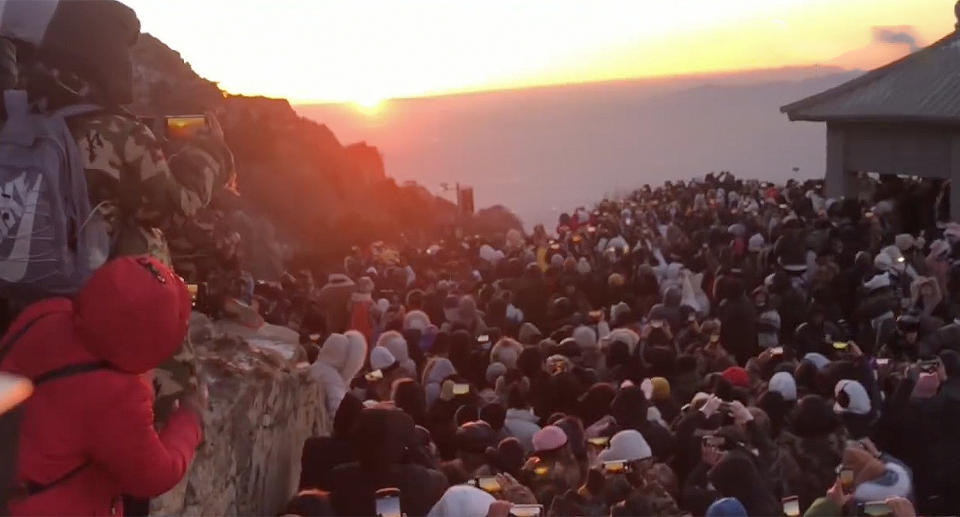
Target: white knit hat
x=818 y=360
x=883 y=262
x=784 y=384
x=416 y=320
x=628 y=445
x=585 y=337
x=583 y=266
x=381 y=358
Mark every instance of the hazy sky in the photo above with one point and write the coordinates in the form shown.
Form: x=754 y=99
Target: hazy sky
x=366 y=50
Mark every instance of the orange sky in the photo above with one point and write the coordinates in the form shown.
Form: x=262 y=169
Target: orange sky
x=364 y=51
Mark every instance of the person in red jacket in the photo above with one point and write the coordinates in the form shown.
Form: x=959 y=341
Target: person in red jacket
x=87 y=433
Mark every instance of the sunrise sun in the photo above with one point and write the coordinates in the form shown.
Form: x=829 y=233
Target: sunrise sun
x=369 y=105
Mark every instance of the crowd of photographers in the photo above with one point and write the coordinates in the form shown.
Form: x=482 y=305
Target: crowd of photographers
x=717 y=347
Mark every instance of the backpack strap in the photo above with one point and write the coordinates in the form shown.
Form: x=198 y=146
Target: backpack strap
x=12 y=338
x=69 y=370
x=29 y=488
x=15 y=130
x=75 y=110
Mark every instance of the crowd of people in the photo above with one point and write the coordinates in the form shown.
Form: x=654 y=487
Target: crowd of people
x=716 y=347
x=713 y=347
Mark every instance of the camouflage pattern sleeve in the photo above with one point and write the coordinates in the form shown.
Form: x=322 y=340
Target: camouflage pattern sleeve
x=131 y=184
x=161 y=194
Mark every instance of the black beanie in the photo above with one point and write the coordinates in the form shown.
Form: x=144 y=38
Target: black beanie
x=813 y=417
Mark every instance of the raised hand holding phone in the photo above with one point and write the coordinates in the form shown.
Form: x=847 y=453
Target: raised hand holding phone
x=711 y=406
x=837 y=496
x=741 y=415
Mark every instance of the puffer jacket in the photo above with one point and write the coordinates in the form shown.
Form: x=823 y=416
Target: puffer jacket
x=89 y=437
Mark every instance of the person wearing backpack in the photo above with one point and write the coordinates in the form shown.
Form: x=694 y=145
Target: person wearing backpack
x=87 y=433
x=122 y=196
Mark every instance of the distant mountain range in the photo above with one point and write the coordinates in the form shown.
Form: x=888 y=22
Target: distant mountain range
x=540 y=151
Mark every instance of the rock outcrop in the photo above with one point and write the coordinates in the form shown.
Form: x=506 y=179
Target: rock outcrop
x=263 y=405
x=292 y=171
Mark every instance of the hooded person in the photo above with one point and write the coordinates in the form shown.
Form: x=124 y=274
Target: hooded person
x=321 y=454
x=669 y=309
x=333 y=299
x=87 y=437
x=338 y=362
x=768 y=319
x=738 y=323
x=926 y=298
x=736 y=475
x=624 y=335
x=521 y=422
x=630 y=409
x=380 y=439
x=381 y=359
x=472 y=440
x=784 y=384
x=854 y=407
x=937 y=262
x=583 y=267
x=469 y=316
x=407 y=396
x=462 y=501
x=506 y=351
x=589 y=349
x=361 y=303
x=529 y=334
x=397 y=345
x=416 y=319
x=811 y=447
x=434 y=373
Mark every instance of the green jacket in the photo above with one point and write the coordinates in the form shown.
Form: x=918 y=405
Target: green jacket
x=823 y=507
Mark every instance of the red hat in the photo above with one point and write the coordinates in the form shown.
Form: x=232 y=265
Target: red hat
x=737 y=376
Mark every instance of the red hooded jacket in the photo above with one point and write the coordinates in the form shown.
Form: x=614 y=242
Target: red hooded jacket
x=90 y=436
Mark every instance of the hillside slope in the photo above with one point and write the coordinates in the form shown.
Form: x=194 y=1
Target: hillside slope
x=319 y=195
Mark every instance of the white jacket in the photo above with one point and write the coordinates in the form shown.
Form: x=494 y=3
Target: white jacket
x=340 y=359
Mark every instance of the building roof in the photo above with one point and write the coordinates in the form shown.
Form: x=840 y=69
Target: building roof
x=921 y=87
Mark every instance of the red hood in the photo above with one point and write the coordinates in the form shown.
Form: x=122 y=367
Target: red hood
x=133 y=313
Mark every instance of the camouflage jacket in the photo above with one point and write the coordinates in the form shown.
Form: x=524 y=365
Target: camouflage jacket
x=132 y=185
x=140 y=198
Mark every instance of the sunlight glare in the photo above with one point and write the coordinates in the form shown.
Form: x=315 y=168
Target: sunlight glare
x=369 y=105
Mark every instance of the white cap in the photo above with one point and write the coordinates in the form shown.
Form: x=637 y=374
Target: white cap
x=858 y=401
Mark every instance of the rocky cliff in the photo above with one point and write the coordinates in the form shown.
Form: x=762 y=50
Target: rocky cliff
x=319 y=195
x=262 y=407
